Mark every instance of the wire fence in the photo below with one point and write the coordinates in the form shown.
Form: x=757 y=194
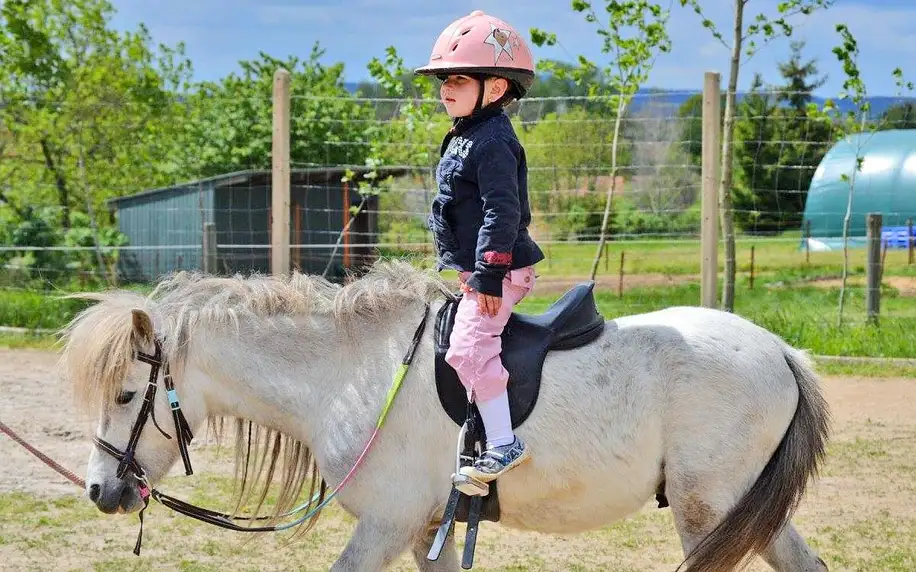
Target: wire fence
x=129 y=221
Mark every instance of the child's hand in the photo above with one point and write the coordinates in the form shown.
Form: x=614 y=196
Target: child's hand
x=489 y=305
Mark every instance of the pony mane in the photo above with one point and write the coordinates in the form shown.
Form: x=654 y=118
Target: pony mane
x=99 y=346
x=187 y=299
x=99 y=342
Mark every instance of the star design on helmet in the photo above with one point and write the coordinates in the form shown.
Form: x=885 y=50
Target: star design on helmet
x=499 y=39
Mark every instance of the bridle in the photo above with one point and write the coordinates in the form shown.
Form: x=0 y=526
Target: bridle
x=127 y=458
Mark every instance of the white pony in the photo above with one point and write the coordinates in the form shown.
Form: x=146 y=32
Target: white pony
x=724 y=413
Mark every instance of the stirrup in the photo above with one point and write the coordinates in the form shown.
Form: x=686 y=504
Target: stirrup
x=462 y=485
x=466 y=484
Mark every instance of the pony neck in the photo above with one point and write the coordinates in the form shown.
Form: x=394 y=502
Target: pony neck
x=299 y=376
x=273 y=374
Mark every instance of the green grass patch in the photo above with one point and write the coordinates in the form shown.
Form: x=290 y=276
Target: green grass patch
x=36 y=310
x=782 y=300
x=683 y=257
x=873 y=369
x=805 y=316
x=883 y=543
x=27 y=341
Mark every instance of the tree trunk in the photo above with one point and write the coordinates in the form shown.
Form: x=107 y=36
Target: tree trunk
x=725 y=185
x=851 y=181
x=621 y=107
x=63 y=194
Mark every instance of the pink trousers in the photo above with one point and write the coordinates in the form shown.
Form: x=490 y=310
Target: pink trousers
x=475 y=343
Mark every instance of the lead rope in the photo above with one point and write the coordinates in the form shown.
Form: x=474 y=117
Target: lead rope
x=47 y=460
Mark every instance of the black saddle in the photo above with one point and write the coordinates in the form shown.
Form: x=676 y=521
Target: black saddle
x=571 y=322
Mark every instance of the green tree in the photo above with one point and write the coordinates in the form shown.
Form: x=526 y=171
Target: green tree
x=899 y=116
x=849 y=122
x=778 y=148
x=690 y=115
x=744 y=42
x=633 y=37
x=569 y=154
x=757 y=160
x=229 y=124
x=87 y=111
x=801 y=79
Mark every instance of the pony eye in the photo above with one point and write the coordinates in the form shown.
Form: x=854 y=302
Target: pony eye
x=124 y=397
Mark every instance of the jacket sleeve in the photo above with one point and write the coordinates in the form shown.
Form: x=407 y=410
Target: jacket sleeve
x=497 y=179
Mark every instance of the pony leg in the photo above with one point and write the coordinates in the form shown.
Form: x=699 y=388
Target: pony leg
x=697 y=511
x=375 y=544
x=790 y=553
x=448 y=560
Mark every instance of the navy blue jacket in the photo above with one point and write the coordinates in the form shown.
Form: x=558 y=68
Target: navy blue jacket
x=481 y=213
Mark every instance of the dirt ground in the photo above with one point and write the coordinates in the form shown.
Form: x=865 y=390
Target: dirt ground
x=859 y=516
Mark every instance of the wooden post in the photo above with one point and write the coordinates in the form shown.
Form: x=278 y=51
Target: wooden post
x=709 y=225
x=209 y=247
x=808 y=241
x=606 y=257
x=752 y=268
x=910 y=241
x=873 y=267
x=279 y=208
x=620 y=283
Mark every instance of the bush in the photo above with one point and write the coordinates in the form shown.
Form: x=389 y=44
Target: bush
x=635 y=223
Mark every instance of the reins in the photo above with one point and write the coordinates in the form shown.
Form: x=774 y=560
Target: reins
x=128 y=461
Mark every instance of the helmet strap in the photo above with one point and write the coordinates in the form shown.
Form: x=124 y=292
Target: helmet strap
x=481 y=86
x=480 y=113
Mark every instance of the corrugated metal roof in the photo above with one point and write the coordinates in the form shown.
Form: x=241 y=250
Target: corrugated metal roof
x=315 y=176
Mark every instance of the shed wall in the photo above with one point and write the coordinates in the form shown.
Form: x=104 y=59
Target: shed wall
x=165 y=232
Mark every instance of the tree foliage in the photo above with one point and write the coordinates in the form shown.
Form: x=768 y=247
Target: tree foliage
x=87 y=112
x=229 y=123
x=778 y=147
x=634 y=35
x=744 y=42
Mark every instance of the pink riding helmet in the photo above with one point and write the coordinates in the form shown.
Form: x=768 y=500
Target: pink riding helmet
x=482 y=44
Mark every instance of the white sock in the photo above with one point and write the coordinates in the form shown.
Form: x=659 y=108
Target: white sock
x=496 y=420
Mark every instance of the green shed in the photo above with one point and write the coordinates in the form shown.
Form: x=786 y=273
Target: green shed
x=885 y=184
x=165 y=226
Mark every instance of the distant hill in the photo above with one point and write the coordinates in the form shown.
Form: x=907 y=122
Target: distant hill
x=676 y=98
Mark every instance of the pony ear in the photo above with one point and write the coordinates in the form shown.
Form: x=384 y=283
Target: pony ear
x=143 y=326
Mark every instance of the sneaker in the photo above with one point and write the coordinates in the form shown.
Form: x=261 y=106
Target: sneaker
x=497 y=461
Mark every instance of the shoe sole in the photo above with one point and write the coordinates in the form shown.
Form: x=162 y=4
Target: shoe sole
x=470 y=471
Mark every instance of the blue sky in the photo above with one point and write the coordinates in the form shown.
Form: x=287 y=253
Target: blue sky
x=218 y=33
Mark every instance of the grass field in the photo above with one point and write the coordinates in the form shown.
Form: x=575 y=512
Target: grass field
x=683 y=257
x=795 y=298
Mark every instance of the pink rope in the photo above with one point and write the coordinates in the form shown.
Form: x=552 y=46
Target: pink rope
x=47 y=460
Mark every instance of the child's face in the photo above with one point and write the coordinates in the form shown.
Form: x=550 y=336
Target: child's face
x=459 y=95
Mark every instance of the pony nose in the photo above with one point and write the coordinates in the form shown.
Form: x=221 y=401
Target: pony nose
x=94 y=492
